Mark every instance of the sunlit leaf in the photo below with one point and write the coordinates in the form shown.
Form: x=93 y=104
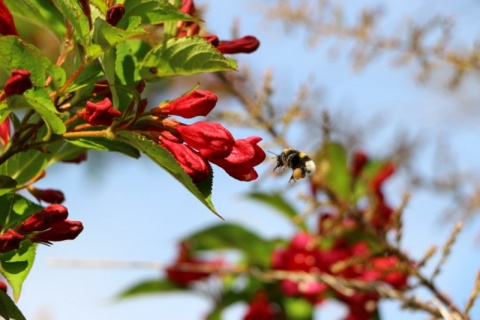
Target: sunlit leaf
x=184 y=56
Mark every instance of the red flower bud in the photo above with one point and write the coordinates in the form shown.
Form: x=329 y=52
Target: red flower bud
x=190 y=160
x=10 y=240
x=262 y=308
x=3 y=286
x=7 y=26
x=18 y=83
x=47 y=195
x=188 y=7
x=246 y=44
x=212 y=38
x=240 y=163
x=85 y=4
x=211 y=139
x=5 y=132
x=99 y=113
x=192 y=104
x=115 y=14
x=63 y=230
x=44 y=219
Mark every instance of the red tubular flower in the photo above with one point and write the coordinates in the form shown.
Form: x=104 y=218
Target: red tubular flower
x=60 y=231
x=380 y=177
x=211 y=139
x=44 y=219
x=47 y=195
x=197 y=269
x=192 y=104
x=5 y=132
x=188 y=7
x=18 y=83
x=261 y=309
x=10 y=240
x=7 y=26
x=212 y=38
x=383 y=212
x=240 y=163
x=99 y=113
x=115 y=14
x=190 y=160
x=359 y=160
x=246 y=44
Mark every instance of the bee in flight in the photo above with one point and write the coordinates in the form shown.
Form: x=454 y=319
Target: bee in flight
x=299 y=162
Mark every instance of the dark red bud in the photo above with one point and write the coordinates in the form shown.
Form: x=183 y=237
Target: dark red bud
x=10 y=240
x=63 y=230
x=359 y=160
x=3 y=286
x=44 y=219
x=47 y=195
x=212 y=38
x=99 y=113
x=7 y=26
x=246 y=44
x=18 y=83
x=115 y=14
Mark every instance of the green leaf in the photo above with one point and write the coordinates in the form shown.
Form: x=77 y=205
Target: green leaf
x=276 y=201
x=103 y=144
x=338 y=177
x=108 y=36
x=62 y=150
x=72 y=10
x=87 y=78
x=152 y=12
x=24 y=166
x=203 y=190
x=298 y=309
x=8 y=308
x=7 y=184
x=184 y=56
x=150 y=287
x=232 y=236
x=39 y=100
x=17 y=54
x=40 y=12
x=15 y=267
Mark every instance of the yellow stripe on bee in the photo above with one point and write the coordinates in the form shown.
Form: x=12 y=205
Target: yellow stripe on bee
x=302 y=155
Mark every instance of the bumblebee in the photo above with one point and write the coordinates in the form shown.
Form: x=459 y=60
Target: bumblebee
x=299 y=162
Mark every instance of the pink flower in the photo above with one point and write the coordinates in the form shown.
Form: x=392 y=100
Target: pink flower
x=211 y=139
x=188 y=7
x=7 y=26
x=18 y=83
x=386 y=269
x=5 y=132
x=192 y=104
x=240 y=163
x=190 y=160
x=99 y=113
x=10 y=240
x=246 y=44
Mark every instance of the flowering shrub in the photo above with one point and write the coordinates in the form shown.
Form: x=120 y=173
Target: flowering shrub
x=83 y=101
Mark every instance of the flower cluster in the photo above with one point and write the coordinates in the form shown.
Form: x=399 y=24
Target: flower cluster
x=195 y=145
x=49 y=224
x=188 y=269
x=304 y=253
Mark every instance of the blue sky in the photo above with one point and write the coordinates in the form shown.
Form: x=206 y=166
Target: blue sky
x=132 y=210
